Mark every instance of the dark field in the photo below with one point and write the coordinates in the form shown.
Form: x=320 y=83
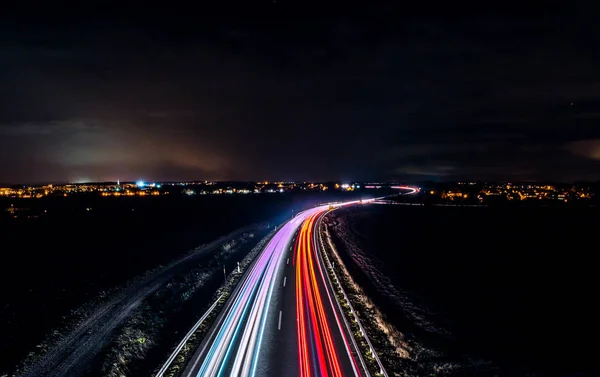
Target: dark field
x=517 y=287
x=55 y=261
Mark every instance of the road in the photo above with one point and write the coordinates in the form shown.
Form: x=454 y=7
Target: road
x=282 y=319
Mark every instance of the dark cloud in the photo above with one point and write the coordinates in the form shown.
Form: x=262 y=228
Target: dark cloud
x=283 y=95
x=586 y=148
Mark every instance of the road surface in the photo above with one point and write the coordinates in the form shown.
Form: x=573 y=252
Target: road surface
x=282 y=319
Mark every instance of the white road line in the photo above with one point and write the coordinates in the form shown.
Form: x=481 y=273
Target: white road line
x=288 y=261
x=284 y=279
x=279 y=324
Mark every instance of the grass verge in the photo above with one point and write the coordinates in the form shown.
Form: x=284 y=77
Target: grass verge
x=180 y=362
x=361 y=309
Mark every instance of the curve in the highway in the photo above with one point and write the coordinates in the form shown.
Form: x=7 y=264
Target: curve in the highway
x=281 y=320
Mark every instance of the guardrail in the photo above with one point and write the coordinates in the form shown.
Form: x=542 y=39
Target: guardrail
x=382 y=370
x=186 y=338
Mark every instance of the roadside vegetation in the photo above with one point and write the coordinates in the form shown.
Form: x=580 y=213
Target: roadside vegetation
x=77 y=320
x=128 y=330
x=142 y=331
x=224 y=291
x=343 y=283
x=155 y=318
x=400 y=353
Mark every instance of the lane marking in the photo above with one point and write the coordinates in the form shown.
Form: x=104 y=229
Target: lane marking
x=284 y=280
x=279 y=324
x=288 y=261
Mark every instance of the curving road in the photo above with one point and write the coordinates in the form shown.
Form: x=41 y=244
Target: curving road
x=282 y=319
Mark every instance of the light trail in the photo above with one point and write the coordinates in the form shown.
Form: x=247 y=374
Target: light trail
x=311 y=312
x=216 y=359
x=235 y=344
x=414 y=190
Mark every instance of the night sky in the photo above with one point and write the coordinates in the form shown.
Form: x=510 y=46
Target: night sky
x=292 y=91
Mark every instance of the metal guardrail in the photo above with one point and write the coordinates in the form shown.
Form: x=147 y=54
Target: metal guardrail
x=360 y=326
x=180 y=346
x=339 y=306
x=186 y=338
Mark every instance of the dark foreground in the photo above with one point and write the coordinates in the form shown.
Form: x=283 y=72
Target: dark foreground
x=59 y=256
x=512 y=286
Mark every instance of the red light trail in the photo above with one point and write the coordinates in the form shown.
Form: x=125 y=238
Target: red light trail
x=254 y=334
x=317 y=353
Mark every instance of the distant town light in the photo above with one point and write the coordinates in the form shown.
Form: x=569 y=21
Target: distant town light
x=140 y=183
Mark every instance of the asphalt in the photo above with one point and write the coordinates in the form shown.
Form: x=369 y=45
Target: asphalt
x=257 y=332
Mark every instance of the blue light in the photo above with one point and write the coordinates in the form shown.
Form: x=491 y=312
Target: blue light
x=140 y=183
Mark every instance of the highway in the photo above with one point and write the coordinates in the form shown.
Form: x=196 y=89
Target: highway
x=282 y=319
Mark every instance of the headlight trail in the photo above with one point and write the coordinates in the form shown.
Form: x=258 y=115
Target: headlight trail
x=270 y=329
